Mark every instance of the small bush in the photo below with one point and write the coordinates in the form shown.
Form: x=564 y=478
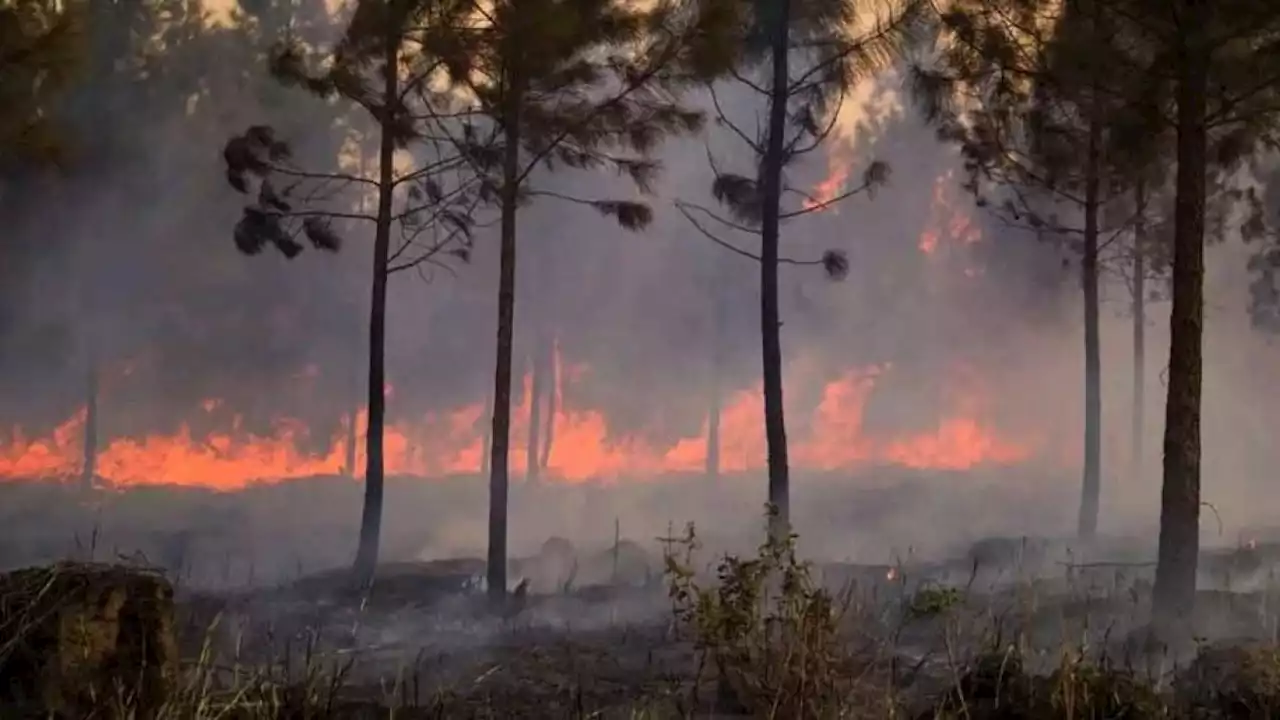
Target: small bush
x=1232 y=682
x=772 y=636
x=997 y=687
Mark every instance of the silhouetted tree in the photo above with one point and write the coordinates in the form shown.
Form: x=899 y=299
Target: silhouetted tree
x=379 y=65
x=800 y=57
x=121 y=80
x=584 y=86
x=1030 y=92
x=1219 y=62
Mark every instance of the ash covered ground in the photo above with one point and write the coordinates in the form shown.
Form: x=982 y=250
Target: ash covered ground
x=930 y=577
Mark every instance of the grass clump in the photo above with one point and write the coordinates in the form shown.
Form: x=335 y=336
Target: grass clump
x=1231 y=682
x=773 y=641
x=997 y=686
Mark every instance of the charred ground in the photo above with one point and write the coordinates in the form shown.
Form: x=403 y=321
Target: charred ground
x=992 y=621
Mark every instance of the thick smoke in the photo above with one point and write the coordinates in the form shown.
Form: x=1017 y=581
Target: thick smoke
x=128 y=264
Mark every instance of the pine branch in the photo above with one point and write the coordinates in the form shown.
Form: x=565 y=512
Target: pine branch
x=833 y=262
x=685 y=206
x=723 y=120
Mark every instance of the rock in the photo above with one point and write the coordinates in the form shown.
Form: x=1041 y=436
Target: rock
x=74 y=635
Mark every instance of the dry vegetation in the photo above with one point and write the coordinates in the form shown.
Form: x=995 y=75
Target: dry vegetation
x=765 y=635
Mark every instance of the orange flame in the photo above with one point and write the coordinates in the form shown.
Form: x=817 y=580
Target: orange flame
x=829 y=189
x=451 y=443
x=585 y=446
x=946 y=216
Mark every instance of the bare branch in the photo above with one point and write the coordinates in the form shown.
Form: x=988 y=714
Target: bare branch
x=723 y=120
x=723 y=221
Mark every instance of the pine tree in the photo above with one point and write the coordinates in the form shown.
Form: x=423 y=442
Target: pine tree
x=1220 y=63
x=800 y=57
x=1204 y=74
x=1032 y=92
x=378 y=66
x=589 y=85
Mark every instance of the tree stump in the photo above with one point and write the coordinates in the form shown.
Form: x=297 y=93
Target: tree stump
x=86 y=641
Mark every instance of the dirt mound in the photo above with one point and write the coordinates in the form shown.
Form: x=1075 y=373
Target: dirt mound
x=85 y=639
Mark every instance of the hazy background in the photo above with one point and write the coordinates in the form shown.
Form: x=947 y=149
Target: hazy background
x=131 y=254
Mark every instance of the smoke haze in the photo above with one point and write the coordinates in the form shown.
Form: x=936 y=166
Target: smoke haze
x=946 y=314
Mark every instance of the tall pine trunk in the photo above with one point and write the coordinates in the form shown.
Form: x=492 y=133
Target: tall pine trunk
x=353 y=416
x=1175 y=584
x=87 y=271
x=371 y=518
x=89 y=463
x=500 y=439
x=716 y=386
x=487 y=441
x=553 y=388
x=1139 y=327
x=770 y=320
x=353 y=413
x=537 y=396
x=713 y=431
x=1091 y=485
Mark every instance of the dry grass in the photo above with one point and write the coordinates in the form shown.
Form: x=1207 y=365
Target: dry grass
x=757 y=636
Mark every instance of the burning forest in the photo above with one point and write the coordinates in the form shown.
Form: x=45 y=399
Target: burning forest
x=579 y=443
x=580 y=446
x=675 y=359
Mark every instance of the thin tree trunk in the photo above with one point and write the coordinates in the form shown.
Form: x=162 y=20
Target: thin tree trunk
x=353 y=415
x=553 y=389
x=371 y=518
x=89 y=464
x=770 y=320
x=716 y=386
x=713 y=434
x=487 y=442
x=87 y=272
x=1175 y=584
x=1091 y=485
x=499 y=480
x=1139 y=326
x=537 y=392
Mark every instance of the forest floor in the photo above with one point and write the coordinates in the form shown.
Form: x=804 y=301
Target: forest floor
x=938 y=640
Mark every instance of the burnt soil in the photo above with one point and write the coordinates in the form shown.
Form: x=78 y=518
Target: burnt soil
x=425 y=640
